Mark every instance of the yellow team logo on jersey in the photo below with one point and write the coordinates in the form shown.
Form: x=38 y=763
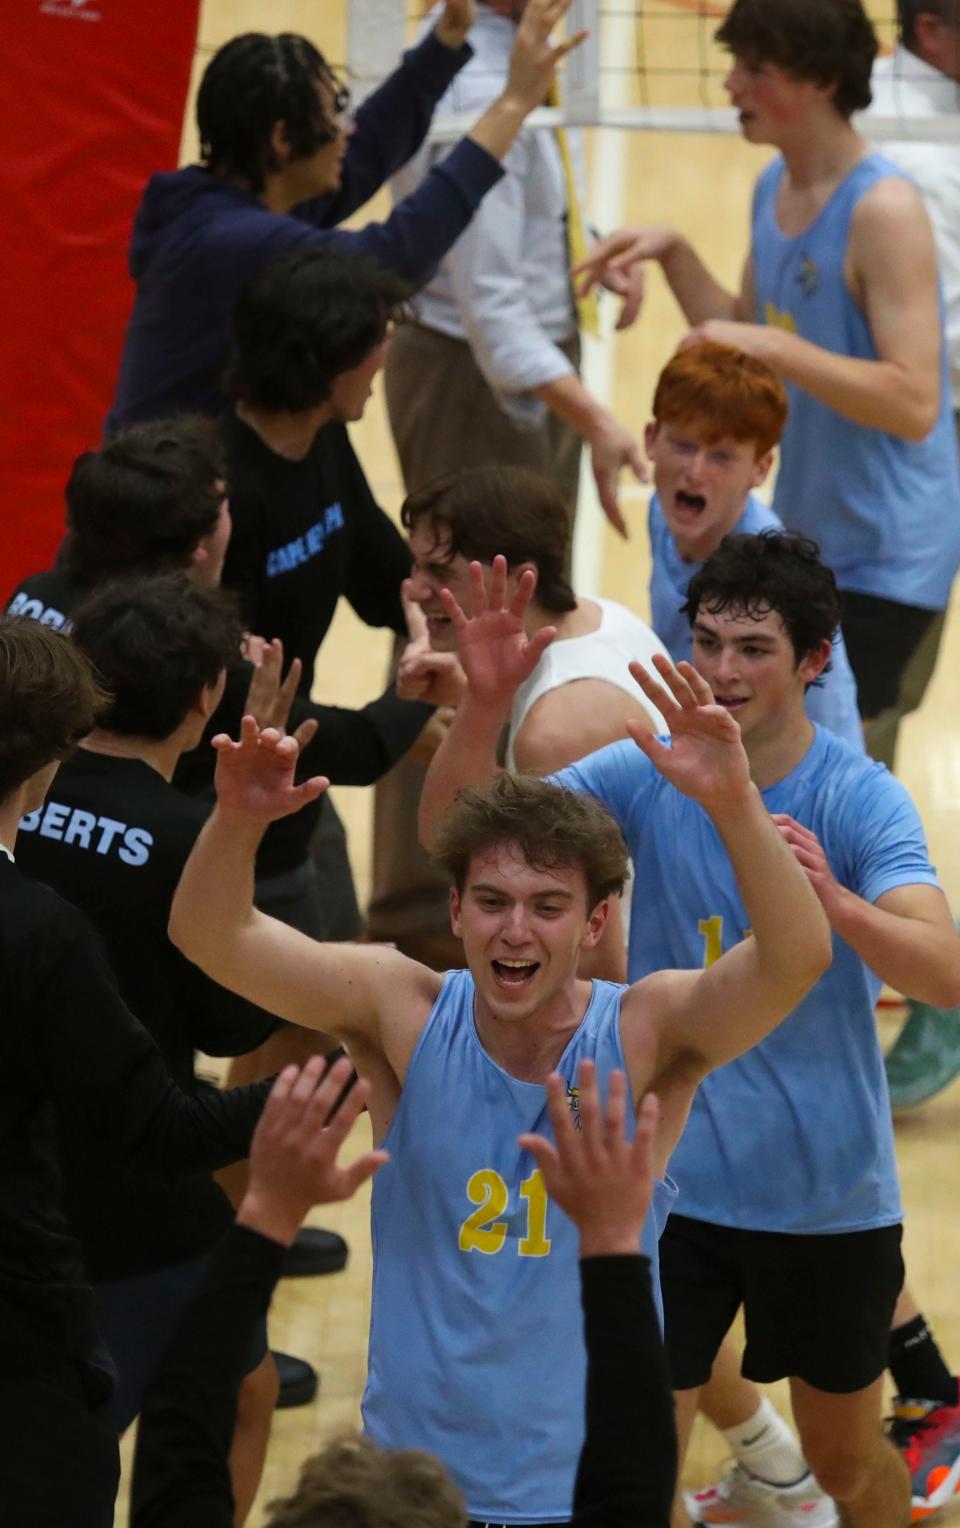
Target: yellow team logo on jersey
x=778 y=320
x=809 y=277
x=573 y=1099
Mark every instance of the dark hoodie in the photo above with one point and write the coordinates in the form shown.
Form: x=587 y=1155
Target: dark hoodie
x=196 y=239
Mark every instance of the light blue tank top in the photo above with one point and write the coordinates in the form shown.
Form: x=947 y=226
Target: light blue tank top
x=476 y=1333
x=885 y=511
x=833 y=704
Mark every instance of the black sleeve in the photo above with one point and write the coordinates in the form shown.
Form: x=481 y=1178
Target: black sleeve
x=100 y=1066
x=390 y=126
x=181 y=1477
x=379 y=561
x=221 y=1022
x=358 y=747
x=628 y=1466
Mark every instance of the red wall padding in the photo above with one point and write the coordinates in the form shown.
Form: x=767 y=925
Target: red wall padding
x=92 y=94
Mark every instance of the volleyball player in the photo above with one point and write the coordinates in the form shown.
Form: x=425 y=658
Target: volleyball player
x=474 y=1340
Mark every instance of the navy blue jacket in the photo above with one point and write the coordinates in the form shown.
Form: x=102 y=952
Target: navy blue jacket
x=196 y=238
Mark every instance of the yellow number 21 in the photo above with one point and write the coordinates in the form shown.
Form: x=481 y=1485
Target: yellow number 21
x=484 y=1232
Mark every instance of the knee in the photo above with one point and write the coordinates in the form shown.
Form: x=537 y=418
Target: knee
x=841 y=1469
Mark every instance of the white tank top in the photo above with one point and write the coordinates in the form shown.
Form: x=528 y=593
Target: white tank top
x=601 y=654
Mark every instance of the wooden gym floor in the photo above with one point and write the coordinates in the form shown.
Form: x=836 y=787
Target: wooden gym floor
x=703 y=184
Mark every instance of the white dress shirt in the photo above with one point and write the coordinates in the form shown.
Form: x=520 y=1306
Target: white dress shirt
x=903 y=85
x=505 y=286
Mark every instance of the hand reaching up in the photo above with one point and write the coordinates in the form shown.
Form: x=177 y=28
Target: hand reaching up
x=424 y=674
x=255 y=776
x=268 y=700
x=296 y=1146
x=600 y=1179
x=706 y=758
x=494 y=650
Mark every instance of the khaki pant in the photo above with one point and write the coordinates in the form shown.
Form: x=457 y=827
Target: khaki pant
x=444 y=417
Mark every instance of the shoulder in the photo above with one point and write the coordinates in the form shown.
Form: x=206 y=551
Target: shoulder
x=33 y=914
x=890 y=205
x=758 y=517
x=46 y=597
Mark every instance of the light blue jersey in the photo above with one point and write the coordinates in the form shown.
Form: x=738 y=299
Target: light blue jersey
x=885 y=511
x=476 y=1337
x=833 y=704
x=796 y=1135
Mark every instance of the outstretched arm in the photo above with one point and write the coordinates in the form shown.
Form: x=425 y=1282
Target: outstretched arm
x=339 y=988
x=705 y=1019
x=496 y=656
x=182 y=1475
x=605 y=1184
x=699 y=294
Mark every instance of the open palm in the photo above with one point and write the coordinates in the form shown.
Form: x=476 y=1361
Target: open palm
x=706 y=759
x=494 y=650
x=255 y=776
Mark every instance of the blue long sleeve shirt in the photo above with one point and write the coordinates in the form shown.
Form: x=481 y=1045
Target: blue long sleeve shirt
x=196 y=239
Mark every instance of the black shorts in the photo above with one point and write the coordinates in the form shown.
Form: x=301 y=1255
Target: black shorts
x=881 y=637
x=817 y=1308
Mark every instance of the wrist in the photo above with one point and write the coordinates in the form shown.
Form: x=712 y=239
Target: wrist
x=275 y=1221
x=609 y=1243
x=484 y=715
x=742 y=802
x=451 y=36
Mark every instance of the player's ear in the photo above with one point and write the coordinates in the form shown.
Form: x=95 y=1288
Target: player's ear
x=596 y=924
x=761 y=469
x=812 y=665
x=650 y=436
x=455 y=923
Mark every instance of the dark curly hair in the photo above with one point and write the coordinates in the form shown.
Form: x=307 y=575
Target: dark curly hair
x=307 y=316
x=49 y=699
x=252 y=83
x=776 y=571
x=144 y=500
x=825 y=41
x=553 y=828
x=156 y=643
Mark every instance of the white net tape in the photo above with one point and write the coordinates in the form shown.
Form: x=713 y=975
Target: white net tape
x=648 y=65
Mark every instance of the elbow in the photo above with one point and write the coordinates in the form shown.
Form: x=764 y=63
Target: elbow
x=919 y=415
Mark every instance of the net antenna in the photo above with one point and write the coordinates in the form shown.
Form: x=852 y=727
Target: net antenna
x=667 y=79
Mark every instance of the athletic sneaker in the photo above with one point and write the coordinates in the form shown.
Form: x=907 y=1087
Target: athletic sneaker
x=928 y=1436
x=741 y=1498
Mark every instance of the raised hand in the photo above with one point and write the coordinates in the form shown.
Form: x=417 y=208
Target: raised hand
x=255 y=776
x=534 y=59
x=706 y=758
x=495 y=652
x=600 y=1179
x=294 y=1153
x=619 y=252
x=424 y=674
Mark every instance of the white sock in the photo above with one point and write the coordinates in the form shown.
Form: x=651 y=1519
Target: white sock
x=767 y=1448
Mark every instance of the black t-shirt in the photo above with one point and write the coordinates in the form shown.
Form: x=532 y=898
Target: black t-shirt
x=350 y=747
x=113 y=837
x=305 y=533
x=68 y=1042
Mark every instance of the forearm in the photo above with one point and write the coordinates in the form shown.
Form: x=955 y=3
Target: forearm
x=182 y=1473
x=467 y=756
x=213 y=903
x=877 y=394
x=700 y=296
x=570 y=401
x=628 y=1397
x=914 y=957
